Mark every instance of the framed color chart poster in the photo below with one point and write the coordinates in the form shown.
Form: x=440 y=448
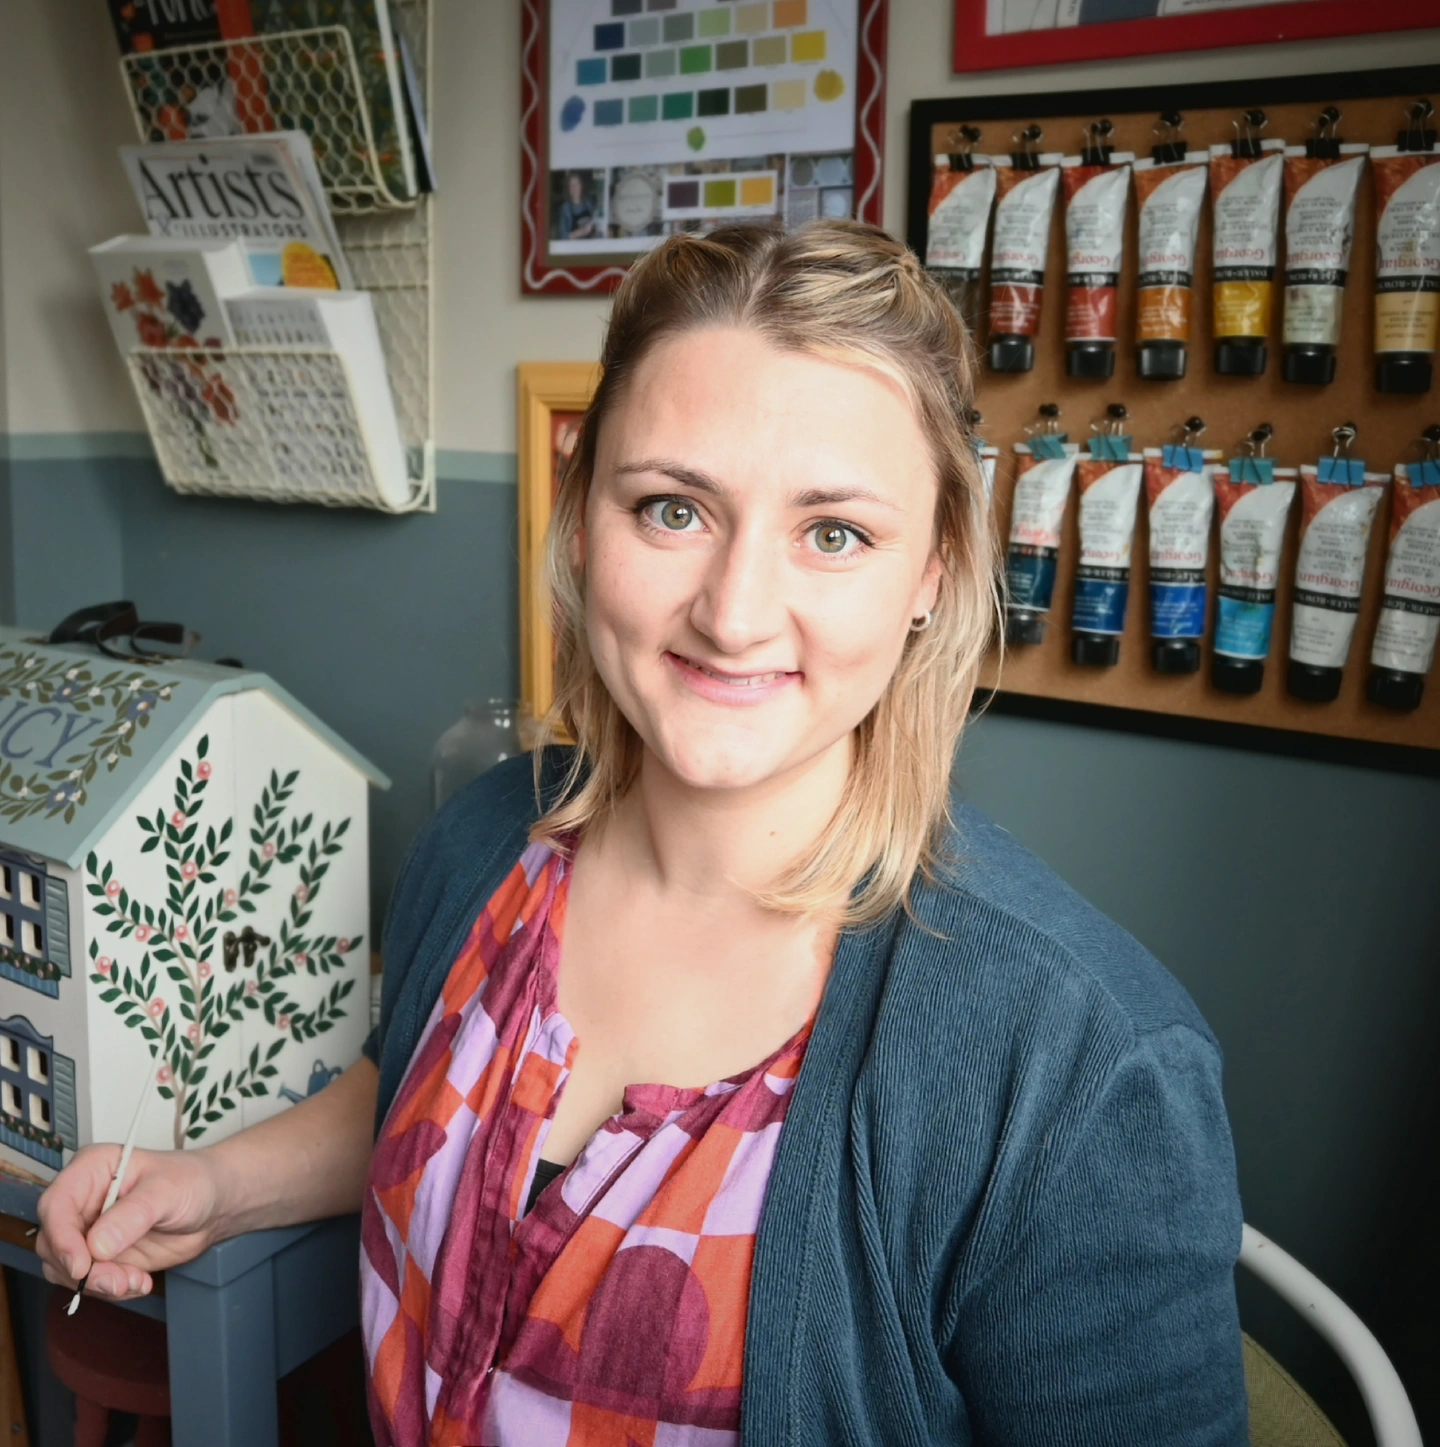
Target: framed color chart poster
x=1009 y=34
x=640 y=118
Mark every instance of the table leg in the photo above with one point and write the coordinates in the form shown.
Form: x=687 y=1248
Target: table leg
x=222 y=1360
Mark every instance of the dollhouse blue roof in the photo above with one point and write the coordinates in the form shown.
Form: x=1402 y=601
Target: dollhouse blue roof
x=81 y=733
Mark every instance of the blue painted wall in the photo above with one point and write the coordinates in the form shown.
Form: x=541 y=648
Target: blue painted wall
x=1292 y=898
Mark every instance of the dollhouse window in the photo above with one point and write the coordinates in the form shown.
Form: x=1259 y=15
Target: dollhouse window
x=9 y=1054
x=37 y=1066
x=10 y=1099
x=40 y=1112
x=22 y=906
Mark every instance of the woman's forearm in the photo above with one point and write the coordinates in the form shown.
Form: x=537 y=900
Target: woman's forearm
x=306 y=1163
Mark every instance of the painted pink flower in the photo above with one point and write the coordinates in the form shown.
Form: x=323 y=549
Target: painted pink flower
x=189 y=869
x=269 y=850
x=112 y=889
x=204 y=769
x=229 y=896
x=178 y=819
x=301 y=893
x=342 y=946
x=204 y=970
x=163 y=1075
x=143 y=932
x=103 y=964
x=192 y=1034
x=182 y=933
x=301 y=959
x=251 y=987
x=283 y=1023
x=156 y=1008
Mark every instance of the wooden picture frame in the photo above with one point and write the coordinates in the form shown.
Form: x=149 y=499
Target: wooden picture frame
x=978 y=47
x=601 y=269
x=550 y=395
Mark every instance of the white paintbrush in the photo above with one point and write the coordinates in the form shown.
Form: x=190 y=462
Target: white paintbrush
x=113 y=1194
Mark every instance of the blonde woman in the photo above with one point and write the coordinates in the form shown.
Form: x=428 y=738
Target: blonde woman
x=730 y=1087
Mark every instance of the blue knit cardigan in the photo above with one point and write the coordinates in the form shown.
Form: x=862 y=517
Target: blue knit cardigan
x=1003 y=1209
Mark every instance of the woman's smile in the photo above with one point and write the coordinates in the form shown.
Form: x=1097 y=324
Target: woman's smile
x=722 y=686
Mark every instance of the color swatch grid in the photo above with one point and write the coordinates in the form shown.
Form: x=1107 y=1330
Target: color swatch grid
x=660 y=80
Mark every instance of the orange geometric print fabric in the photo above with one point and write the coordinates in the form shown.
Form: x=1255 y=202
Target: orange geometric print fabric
x=614 y=1311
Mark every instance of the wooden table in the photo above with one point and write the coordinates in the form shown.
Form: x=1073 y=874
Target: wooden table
x=239 y=1317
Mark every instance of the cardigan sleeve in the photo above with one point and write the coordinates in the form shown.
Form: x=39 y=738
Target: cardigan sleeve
x=1110 y=1318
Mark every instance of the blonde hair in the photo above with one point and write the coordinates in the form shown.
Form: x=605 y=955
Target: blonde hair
x=849 y=293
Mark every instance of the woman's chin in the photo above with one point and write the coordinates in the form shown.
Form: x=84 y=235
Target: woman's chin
x=706 y=762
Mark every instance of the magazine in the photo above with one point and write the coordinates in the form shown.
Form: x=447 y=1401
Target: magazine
x=263 y=191
x=163 y=293
x=333 y=321
x=236 y=89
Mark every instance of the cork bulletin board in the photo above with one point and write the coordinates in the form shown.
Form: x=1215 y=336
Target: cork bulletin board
x=1042 y=679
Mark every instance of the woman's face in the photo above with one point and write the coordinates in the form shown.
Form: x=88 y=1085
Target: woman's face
x=759 y=535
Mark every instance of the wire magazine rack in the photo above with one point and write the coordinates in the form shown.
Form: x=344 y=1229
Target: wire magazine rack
x=281 y=424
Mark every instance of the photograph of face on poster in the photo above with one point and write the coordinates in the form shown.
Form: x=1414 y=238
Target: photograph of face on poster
x=577 y=205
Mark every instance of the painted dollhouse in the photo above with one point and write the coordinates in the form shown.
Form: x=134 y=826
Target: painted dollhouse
x=184 y=899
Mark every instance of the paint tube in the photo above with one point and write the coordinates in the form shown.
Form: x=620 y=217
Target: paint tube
x=1407 y=260
x=989 y=456
x=1026 y=191
x=962 y=192
x=1404 y=645
x=1180 y=488
x=1338 y=501
x=1254 y=498
x=1109 y=494
x=1045 y=467
x=1321 y=181
x=1245 y=180
x=1097 y=185
x=1169 y=195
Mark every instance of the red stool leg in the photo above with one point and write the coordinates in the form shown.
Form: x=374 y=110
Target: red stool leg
x=153 y=1432
x=92 y=1421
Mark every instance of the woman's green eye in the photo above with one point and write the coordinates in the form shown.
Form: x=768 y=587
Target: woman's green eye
x=831 y=539
x=677 y=515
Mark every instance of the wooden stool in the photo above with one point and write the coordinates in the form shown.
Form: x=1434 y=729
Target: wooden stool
x=114 y=1361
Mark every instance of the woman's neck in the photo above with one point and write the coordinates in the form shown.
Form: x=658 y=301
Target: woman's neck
x=720 y=844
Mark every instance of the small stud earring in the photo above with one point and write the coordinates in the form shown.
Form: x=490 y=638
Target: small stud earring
x=920 y=624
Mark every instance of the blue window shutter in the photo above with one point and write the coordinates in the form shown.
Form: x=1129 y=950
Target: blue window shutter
x=57 y=923
x=65 y=1116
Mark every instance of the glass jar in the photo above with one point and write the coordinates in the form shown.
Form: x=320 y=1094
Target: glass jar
x=486 y=735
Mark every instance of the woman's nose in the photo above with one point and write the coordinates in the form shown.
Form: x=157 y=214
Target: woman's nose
x=739 y=602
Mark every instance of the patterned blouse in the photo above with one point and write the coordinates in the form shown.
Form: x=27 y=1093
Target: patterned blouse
x=611 y=1313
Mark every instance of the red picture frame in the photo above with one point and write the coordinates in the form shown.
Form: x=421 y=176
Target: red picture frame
x=1170 y=34
x=541 y=275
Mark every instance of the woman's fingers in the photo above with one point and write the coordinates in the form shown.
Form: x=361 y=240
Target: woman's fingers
x=68 y=1206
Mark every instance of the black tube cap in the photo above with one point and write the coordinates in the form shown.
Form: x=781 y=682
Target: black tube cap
x=1175 y=655
x=1312 y=366
x=1237 y=675
x=1027 y=628
x=1240 y=357
x=1095 y=650
x=1012 y=354
x=1315 y=685
x=1091 y=359
x=1161 y=361
x=1403 y=372
x=1392 y=689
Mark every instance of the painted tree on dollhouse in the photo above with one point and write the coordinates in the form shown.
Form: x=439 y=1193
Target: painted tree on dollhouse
x=180 y=938
x=198 y=840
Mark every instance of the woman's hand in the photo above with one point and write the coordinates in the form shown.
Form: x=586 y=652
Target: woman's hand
x=305 y=1163
x=166 y=1214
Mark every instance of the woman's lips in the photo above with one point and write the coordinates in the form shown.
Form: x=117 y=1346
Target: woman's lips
x=720 y=686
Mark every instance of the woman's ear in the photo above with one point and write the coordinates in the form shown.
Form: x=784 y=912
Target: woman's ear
x=929 y=590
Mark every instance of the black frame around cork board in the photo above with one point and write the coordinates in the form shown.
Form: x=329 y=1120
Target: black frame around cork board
x=1042 y=682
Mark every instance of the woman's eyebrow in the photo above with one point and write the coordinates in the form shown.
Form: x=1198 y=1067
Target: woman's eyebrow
x=703 y=482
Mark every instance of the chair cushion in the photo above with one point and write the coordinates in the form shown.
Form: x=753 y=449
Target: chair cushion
x=1281 y=1414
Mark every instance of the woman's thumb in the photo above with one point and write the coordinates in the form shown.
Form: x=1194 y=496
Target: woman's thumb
x=125 y=1223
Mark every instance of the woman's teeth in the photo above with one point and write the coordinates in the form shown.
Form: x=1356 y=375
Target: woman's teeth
x=749 y=680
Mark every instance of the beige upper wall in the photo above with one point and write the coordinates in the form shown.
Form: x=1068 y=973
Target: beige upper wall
x=62 y=114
